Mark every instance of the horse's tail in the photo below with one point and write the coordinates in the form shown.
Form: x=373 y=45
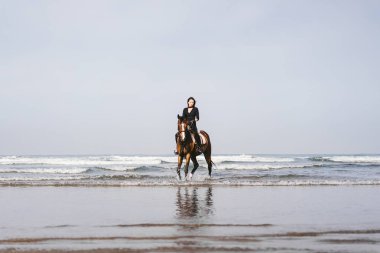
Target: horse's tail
x=214 y=164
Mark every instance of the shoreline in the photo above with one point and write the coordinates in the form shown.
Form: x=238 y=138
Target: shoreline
x=189 y=219
x=196 y=184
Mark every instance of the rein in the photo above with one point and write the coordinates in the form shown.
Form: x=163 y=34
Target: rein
x=186 y=131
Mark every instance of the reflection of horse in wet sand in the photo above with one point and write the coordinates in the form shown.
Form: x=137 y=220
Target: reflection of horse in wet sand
x=190 y=206
x=186 y=148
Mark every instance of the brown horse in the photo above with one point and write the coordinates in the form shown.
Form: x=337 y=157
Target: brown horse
x=186 y=148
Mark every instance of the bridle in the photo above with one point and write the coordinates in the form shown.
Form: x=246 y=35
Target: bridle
x=182 y=128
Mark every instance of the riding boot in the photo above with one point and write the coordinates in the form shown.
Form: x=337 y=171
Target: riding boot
x=198 y=143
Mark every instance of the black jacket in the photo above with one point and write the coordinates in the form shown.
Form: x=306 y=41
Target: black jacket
x=191 y=117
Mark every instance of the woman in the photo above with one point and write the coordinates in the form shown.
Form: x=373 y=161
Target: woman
x=192 y=114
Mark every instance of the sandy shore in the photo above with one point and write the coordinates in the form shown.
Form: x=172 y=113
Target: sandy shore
x=190 y=219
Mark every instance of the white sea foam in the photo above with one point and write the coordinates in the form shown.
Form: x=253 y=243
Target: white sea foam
x=141 y=159
x=117 y=168
x=130 y=160
x=45 y=179
x=263 y=166
x=79 y=161
x=353 y=159
x=45 y=170
x=304 y=182
x=174 y=182
x=251 y=158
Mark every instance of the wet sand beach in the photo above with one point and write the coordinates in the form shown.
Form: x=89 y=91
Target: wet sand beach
x=190 y=219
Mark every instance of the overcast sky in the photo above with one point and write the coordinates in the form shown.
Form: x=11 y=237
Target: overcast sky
x=109 y=77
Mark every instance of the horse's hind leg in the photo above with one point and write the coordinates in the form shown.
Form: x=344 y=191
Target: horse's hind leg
x=207 y=155
x=196 y=165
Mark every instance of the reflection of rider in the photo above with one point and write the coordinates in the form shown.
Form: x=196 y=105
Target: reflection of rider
x=192 y=115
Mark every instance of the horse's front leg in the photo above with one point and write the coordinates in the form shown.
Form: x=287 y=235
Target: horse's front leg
x=187 y=164
x=180 y=158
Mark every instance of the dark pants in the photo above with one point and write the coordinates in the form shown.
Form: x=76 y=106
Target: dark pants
x=194 y=129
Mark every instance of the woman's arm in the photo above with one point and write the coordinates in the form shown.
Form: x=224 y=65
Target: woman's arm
x=197 y=115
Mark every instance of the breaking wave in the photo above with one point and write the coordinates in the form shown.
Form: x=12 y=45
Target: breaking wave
x=348 y=159
x=46 y=170
x=254 y=170
x=130 y=160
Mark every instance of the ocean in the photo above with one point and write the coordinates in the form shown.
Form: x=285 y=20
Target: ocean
x=252 y=203
x=233 y=170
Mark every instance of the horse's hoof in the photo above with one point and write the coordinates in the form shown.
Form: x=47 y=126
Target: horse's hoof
x=190 y=176
x=179 y=178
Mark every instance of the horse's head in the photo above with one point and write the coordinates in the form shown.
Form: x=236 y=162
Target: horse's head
x=182 y=128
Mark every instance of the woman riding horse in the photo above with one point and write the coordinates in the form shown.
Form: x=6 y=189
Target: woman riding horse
x=186 y=147
x=191 y=113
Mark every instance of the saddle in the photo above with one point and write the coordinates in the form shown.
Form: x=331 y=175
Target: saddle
x=202 y=137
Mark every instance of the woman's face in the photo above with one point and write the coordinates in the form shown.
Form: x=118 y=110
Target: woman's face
x=190 y=103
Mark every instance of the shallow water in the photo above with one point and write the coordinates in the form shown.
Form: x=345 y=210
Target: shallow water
x=192 y=219
x=257 y=170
